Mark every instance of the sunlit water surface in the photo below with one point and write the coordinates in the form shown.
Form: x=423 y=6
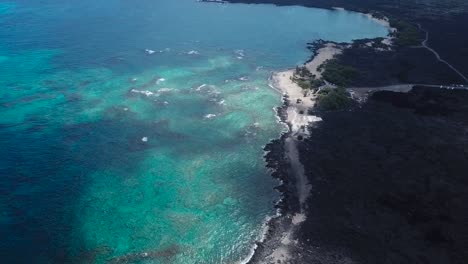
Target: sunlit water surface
x=111 y=154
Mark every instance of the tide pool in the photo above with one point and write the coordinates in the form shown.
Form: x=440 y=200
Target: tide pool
x=111 y=154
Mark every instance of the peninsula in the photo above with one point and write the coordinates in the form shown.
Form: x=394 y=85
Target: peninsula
x=377 y=173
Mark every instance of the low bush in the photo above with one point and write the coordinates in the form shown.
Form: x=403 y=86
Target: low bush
x=333 y=99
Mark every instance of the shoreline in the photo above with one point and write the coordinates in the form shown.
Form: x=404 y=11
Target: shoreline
x=278 y=244
x=282 y=156
x=277 y=226
x=298 y=104
x=384 y=21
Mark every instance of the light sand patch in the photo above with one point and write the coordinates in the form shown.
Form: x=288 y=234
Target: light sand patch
x=329 y=51
x=387 y=41
x=300 y=101
x=286 y=239
x=384 y=21
x=280 y=255
x=298 y=218
x=303 y=186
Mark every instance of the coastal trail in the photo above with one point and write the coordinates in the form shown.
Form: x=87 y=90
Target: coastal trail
x=426 y=46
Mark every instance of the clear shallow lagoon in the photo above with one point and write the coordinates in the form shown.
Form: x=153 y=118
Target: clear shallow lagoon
x=107 y=151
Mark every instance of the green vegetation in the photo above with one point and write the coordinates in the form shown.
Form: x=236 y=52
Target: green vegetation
x=406 y=35
x=316 y=83
x=304 y=84
x=305 y=79
x=333 y=99
x=337 y=73
x=303 y=72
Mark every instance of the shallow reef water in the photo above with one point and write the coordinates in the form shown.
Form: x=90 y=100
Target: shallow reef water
x=133 y=132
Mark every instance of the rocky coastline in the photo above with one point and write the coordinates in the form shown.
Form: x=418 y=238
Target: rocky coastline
x=386 y=187
x=381 y=194
x=409 y=215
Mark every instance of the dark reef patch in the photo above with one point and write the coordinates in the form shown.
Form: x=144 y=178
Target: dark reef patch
x=45 y=170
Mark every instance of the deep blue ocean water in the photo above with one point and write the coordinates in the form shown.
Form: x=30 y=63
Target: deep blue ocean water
x=111 y=154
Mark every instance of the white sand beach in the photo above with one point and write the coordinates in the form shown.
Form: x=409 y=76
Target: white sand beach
x=300 y=100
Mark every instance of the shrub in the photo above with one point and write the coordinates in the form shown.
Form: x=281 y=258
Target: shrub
x=406 y=34
x=304 y=84
x=333 y=99
x=337 y=73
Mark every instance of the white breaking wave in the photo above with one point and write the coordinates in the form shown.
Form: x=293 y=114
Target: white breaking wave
x=200 y=87
x=240 y=53
x=193 y=52
x=160 y=80
x=145 y=92
x=210 y=116
x=150 y=93
x=166 y=90
x=149 y=51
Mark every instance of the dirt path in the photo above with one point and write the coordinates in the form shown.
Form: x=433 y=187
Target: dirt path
x=425 y=45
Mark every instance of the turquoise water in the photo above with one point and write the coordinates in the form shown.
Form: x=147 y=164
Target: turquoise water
x=110 y=154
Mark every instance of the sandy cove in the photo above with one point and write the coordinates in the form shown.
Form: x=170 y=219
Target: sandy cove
x=299 y=100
